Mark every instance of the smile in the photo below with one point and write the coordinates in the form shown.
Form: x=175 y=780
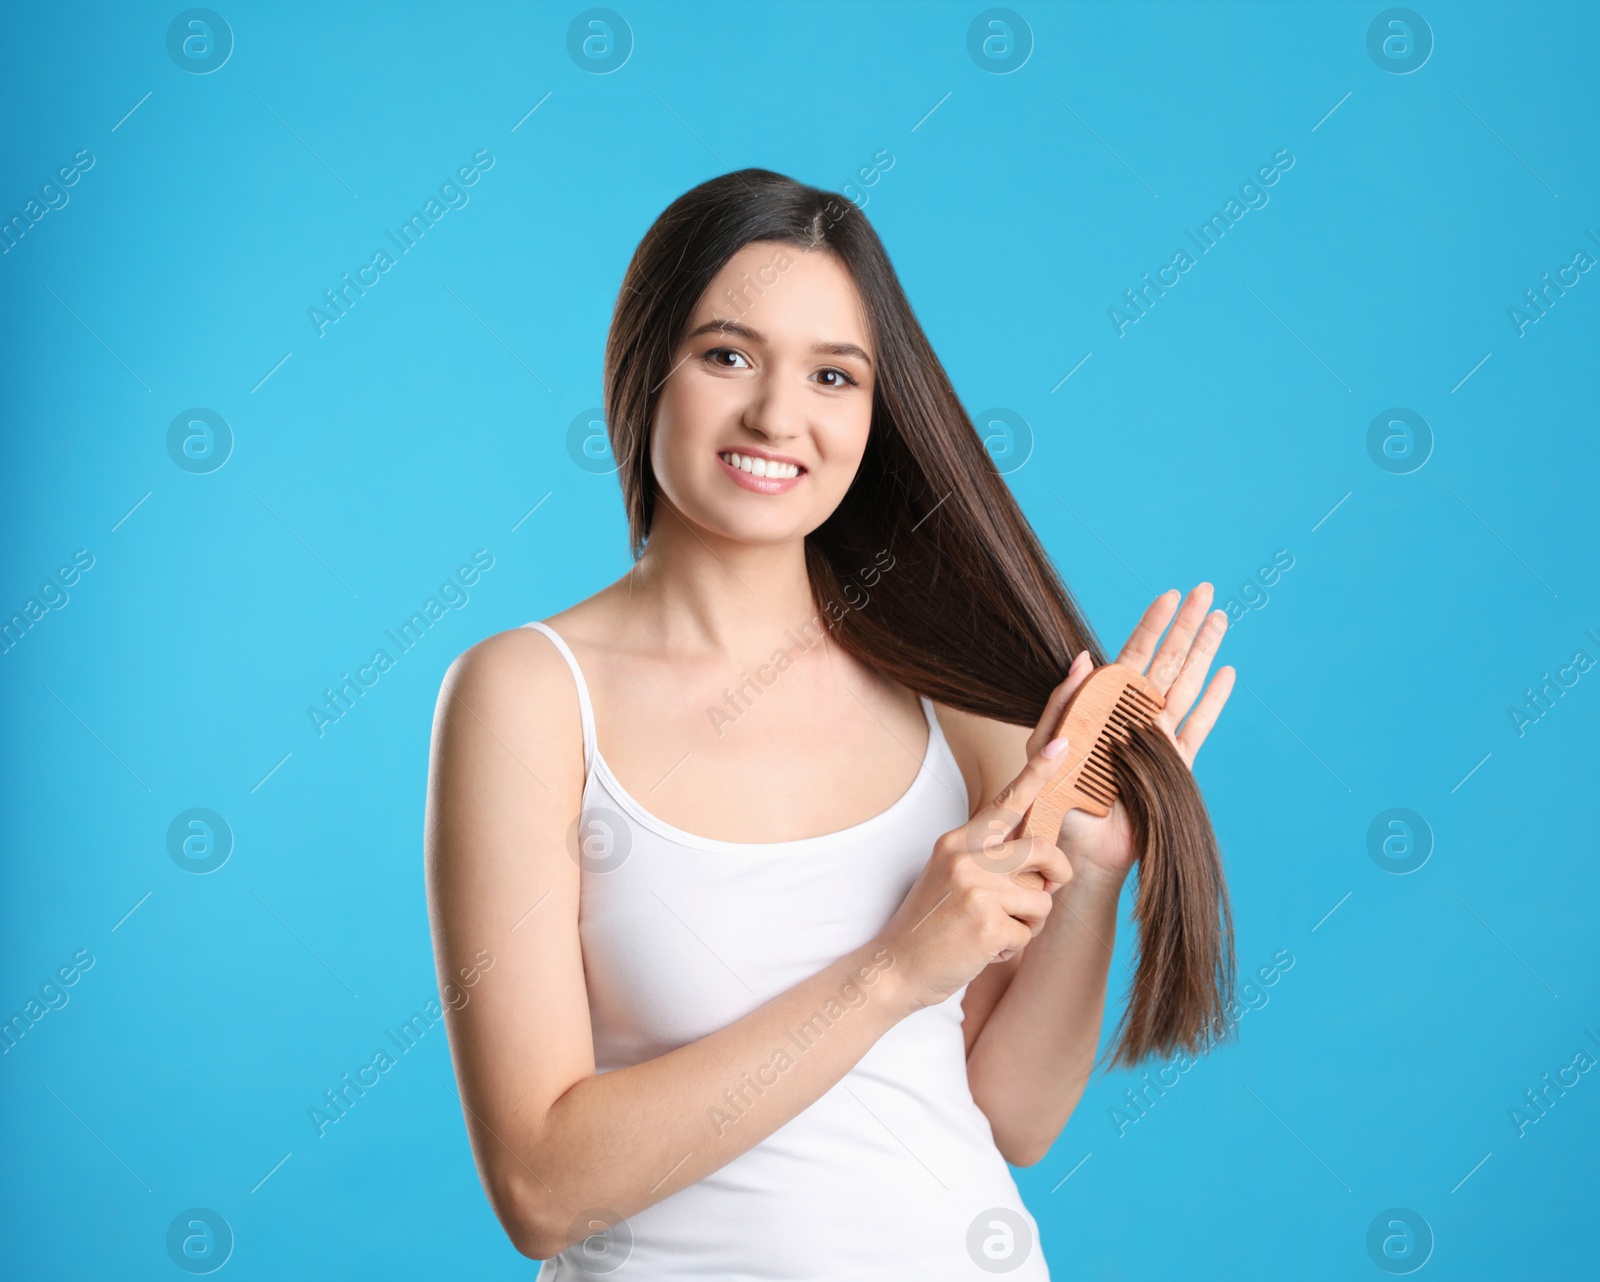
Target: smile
x=763 y=475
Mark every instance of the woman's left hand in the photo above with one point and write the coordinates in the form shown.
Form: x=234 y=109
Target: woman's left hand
x=1177 y=668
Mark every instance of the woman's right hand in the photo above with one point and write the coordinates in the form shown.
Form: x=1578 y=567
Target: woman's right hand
x=983 y=894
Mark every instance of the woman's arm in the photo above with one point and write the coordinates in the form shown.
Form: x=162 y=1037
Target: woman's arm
x=1029 y=1057
x=1032 y=1045
x=551 y=1138
x=1033 y=1023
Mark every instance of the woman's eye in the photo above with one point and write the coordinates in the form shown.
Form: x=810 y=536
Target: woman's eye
x=715 y=355
x=844 y=379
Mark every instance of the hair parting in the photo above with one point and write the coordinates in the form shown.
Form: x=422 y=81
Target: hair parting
x=973 y=613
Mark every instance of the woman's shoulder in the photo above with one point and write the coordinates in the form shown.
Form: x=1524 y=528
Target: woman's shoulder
x=511 y=700
x=521 y=668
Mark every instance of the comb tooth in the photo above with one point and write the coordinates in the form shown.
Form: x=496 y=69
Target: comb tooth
x=1134 y=708
x=1135 y=695
x=1103 y=778
x=1098 y=756
x=1099 y=762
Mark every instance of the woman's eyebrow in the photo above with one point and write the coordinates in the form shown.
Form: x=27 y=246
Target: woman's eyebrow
x=739 y=330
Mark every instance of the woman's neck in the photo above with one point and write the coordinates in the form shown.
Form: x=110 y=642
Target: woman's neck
x=696 y=590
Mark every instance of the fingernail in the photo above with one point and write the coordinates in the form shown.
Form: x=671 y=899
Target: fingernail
x=1078 y=661
x=1055 y=747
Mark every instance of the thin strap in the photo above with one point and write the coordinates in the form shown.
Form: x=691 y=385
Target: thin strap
x=585 y=708
x=941 y=756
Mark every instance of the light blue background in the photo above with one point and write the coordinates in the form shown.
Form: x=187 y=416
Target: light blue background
x=427 y=423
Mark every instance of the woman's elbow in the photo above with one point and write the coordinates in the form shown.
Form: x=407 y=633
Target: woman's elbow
x=1027 y=1143
x=527 y=1214
x=1026 y=1152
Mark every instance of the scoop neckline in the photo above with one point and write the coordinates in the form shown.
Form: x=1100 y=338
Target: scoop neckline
x=683 y=837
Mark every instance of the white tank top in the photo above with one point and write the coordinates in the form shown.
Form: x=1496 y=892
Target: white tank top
x=893 y=1172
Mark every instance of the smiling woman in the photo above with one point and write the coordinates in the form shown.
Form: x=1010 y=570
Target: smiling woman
x=763 y=1013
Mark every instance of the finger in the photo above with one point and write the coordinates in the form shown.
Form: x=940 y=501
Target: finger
x=1002 y=815
x=1204 y=716
x=1017 y=937
x=1040 y=858
x=1029 y=861
x=1142 y=640
x=1195 y=666
x=1050 y=718
x=1043 y=881
x=1167 y=665
x=1027 y=905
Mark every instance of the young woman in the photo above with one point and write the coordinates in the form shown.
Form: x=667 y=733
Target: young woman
x=761 y=984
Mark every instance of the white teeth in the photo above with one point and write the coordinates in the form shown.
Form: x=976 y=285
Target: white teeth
x=759 y=466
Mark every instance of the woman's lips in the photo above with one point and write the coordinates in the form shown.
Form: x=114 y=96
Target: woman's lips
x=760 y=484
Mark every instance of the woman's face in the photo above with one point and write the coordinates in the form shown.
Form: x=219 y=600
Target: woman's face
x=763 y=419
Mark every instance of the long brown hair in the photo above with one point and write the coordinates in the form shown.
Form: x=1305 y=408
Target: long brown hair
x=972 y=613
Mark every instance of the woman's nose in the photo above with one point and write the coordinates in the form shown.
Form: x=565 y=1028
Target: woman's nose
x=777 y=409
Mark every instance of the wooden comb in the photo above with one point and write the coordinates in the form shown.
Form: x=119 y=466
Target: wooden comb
x=1100 y=714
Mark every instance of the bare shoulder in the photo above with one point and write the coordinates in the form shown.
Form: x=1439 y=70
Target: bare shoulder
x=509 y=671
x=990 y=753
x=508 y=710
